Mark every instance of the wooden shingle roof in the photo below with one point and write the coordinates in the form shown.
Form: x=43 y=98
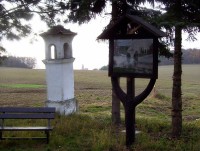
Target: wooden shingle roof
x=139 y=28
x=58 y=30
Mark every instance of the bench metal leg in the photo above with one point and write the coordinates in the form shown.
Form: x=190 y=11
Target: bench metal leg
x=47 y=136
x=0 y=135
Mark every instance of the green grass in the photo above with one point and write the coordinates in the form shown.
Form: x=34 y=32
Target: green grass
x=35 y=86
x=91 y=128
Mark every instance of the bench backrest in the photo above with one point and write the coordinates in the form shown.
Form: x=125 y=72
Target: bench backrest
x=27 y=113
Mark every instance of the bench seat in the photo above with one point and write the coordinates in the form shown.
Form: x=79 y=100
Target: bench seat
x=25 y=128
x=34 y=113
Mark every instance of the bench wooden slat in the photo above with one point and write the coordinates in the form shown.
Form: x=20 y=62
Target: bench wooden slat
x=27 y=116
x=26 y=113
x=28 y=109
x=25 y=128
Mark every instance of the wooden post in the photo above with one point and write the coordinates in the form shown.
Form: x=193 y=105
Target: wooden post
x=130 y=112
x=116 y=119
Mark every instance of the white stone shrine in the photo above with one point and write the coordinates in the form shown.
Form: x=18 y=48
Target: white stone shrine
x=59 y=69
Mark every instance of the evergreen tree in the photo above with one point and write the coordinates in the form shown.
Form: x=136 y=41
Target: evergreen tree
x=179 y=16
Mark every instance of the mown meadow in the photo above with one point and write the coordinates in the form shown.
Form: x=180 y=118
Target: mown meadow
x=91 y=128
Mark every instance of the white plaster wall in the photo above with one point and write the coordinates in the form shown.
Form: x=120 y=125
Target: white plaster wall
x=60 y=79
x=68 y=80
x=54 y=81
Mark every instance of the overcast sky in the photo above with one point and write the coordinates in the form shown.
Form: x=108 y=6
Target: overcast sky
x=86 y=50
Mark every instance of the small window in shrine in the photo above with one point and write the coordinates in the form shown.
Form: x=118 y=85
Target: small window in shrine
x=67 y=53
x=52 y=52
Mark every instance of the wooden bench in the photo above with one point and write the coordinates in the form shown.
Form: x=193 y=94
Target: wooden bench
x=46 y=113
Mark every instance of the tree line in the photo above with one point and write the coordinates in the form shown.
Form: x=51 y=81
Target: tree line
x=19 y=62
x=189 y=56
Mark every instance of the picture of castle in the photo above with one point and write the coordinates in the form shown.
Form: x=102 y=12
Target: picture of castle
x=133 y=56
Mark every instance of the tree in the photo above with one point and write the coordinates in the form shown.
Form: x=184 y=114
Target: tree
x=16 y=14
x=14 y=17
x=20 y=62
x=2 y=56
x=104 y=68
x=180 y=15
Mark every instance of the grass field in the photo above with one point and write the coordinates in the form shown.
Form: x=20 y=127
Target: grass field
x=91 y=129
